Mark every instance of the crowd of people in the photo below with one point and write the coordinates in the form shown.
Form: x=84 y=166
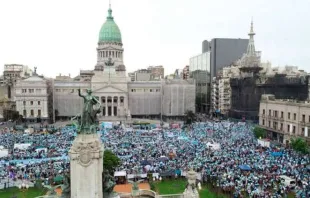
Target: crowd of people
x=225 y=154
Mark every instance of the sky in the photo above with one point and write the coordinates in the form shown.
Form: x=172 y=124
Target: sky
x=60 y=36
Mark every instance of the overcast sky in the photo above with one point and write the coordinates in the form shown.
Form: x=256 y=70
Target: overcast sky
x=60 y=36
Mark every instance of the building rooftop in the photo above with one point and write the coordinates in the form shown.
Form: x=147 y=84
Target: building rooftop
x=270 y=98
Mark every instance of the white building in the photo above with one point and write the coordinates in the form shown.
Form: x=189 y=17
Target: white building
x=31 y=98
x=221 y=90
x=284 y=119
x=120 y=98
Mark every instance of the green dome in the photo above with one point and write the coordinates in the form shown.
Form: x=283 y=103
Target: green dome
x=109 y=31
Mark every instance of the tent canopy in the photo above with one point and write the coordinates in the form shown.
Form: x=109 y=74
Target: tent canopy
x=245 y=167
x=276 y=154
x=120 y=174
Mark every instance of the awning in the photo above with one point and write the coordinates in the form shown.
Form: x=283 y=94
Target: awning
x=120 y=174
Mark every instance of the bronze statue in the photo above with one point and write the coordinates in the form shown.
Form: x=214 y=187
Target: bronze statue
x=66 y=187
x=87 y=122
x=107 y=184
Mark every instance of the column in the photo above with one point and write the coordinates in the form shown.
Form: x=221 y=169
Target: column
x=106 y=105
x=118 y=106
x=112 y=107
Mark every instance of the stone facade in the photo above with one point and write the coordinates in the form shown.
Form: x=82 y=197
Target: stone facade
x=284 y=118
x=178 y=97
x=86 y=167
x=120 y=98
x=31 y=98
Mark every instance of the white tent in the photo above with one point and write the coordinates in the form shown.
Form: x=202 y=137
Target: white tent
x=4 y=152
x=120 y=174
x=22 y=146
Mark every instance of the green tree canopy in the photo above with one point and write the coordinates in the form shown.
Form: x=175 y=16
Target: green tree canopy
x=110 y=161
x=259 y=132
x=300 y=145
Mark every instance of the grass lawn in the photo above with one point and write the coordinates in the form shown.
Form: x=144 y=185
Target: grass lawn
x=30 y=193
x=178 y=186
x=172 y=186
x=204 y=192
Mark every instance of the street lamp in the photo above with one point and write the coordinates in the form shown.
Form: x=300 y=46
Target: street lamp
x=23 y=188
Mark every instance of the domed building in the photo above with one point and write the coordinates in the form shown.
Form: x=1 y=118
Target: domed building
x=110 y=45
x=120 y=98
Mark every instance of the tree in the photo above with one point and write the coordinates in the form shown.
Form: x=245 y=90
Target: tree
x=190 y=117
x=110 y=161
x=259 y=132
x=300 y=145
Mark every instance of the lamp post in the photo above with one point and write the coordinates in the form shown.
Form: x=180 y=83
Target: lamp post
x=23 y=188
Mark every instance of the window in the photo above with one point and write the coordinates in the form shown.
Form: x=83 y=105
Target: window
x=263 y=111
x=281 y=126
x=31 y=112
x=275 y=125
x=122 y=99
x=25 y=113
x=275 y=114
x=269 y=124
x=157 y=90
x=31 y=102
x=294 y=128
x=294 y=116
x=303 y=117
x=31 y=90
x=24 y=90
x=24 y=102
x=288 y=115
x=288 y=128
x=269 y=112
x=39 y=112
x=39 y=102
x=281 y=114
x=303 y=131
x=58 y=90
x=263 y=121
x=133 y=90
x=151 y=90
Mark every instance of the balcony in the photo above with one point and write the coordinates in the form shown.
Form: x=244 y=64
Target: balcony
x=275 y=118
x=303 y=123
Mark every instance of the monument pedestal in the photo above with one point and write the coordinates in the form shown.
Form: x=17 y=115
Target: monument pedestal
x=86 y=166
x=191 y=189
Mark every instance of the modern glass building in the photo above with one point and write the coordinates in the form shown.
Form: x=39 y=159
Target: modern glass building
x=199 y=68
x=200 y=62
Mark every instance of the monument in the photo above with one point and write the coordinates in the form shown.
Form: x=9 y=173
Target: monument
x=86 y=153
x=191 y=189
